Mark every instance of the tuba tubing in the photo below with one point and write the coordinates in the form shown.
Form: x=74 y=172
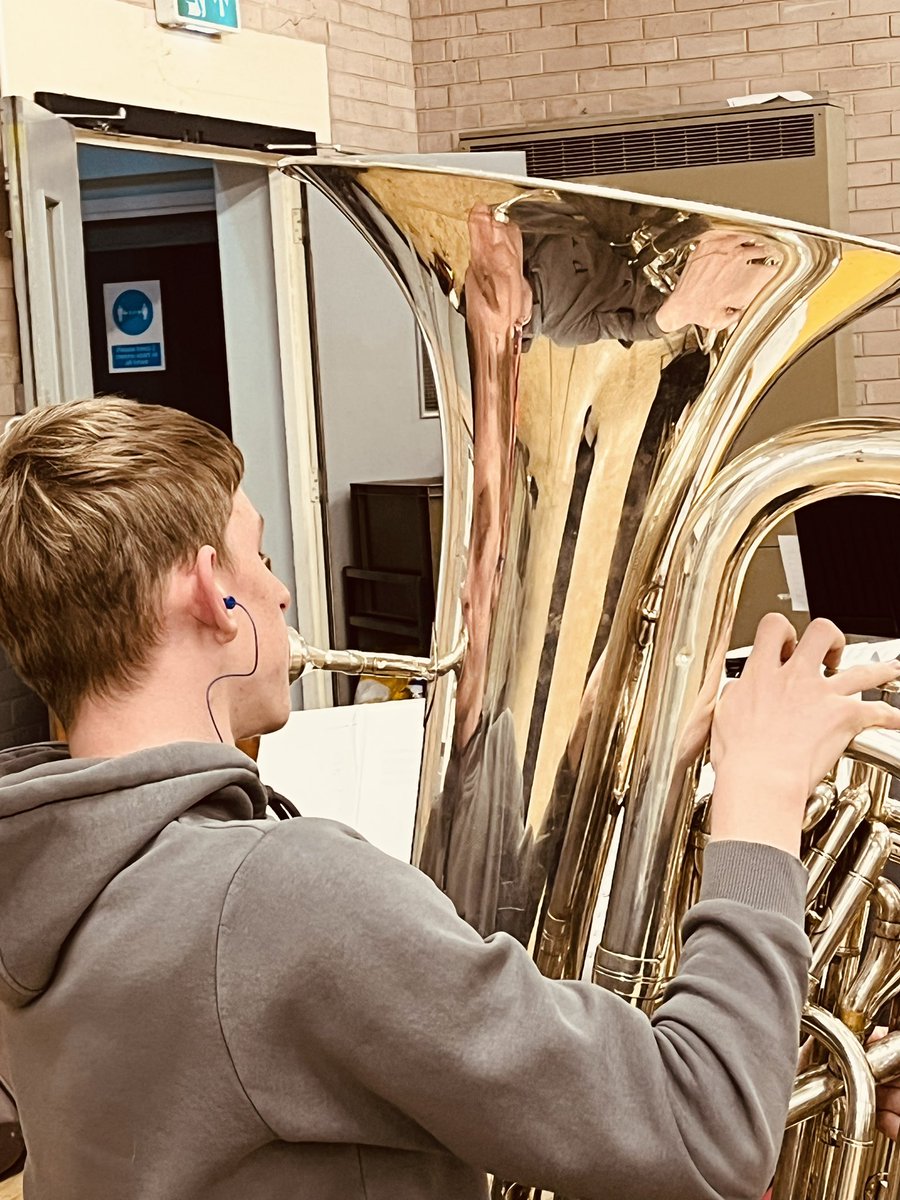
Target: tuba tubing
x=822 y=858
x=879 y=972
x=749 y=498
x=592 y=533
x=304 y=657
x=855 y=1136
x=821 y=1086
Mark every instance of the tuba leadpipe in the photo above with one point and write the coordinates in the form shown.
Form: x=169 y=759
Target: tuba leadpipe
x=304 y=657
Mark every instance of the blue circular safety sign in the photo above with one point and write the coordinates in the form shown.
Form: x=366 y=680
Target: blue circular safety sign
x=133 y=312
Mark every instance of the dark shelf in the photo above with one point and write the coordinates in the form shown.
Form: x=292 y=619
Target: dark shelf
x=401 y=578
x=384 y=624
x=389 y=591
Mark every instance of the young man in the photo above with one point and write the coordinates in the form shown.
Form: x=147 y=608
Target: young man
x=201 y=1004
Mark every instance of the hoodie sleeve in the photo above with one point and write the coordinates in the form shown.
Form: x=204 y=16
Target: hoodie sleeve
x=357 y=1006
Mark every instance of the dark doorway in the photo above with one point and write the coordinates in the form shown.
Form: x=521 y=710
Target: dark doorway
x=840 y=539
x=182 y=253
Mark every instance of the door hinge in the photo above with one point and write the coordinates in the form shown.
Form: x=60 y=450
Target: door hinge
x=298 y=225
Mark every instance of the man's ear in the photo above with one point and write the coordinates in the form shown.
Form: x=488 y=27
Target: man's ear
x=208 y=595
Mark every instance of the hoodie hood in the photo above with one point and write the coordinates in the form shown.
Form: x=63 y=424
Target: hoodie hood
x=68 y=826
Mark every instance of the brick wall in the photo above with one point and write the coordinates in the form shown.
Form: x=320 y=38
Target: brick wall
x=484 y=63
x=370 y=67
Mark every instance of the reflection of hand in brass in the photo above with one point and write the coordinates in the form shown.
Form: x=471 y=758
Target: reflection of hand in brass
x=498 y=298
x=498 y=302
x=696 y=731
x=722 y=276
x=476 y=846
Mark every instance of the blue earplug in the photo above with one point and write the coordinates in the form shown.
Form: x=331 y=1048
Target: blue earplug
x=230 y=602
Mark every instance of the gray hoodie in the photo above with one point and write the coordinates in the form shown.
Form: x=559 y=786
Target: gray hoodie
x=202 y=1004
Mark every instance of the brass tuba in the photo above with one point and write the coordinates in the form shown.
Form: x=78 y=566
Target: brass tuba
x=596 y=355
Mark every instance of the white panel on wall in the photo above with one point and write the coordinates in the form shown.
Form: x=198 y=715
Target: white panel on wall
x=113 y=51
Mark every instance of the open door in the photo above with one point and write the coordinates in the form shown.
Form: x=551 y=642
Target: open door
x=48 y=253
x=77 y=200
x=261 y=255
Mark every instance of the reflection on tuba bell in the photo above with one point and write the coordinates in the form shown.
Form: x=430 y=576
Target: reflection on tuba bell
x=596 y=355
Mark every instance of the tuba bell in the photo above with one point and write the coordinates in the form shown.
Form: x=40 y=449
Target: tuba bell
x=596 y=355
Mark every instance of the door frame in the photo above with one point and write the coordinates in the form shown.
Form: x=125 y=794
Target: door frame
x=292 y=299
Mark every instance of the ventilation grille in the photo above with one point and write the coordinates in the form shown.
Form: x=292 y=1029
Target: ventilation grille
x=427 y=385
x=667 y=148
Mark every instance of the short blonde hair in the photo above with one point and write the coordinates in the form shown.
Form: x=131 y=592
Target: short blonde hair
x=99 y=501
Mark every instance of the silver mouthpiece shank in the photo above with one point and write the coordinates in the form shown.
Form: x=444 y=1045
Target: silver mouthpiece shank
x=306 y=658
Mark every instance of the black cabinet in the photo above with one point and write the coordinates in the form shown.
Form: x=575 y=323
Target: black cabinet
x=389 y=590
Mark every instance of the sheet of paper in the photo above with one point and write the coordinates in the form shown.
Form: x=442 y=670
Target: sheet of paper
x=789 y=545
x=765 y=97
x=389 y=757
x=357 y=764
x=312 y=761
x=858 y=653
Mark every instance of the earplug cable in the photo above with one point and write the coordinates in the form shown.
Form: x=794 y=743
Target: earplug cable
x=231 y=603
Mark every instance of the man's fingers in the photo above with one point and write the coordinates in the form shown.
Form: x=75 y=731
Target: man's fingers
x=889 y=1124
x=774 y=642
x=887 y=1102
x=864 y=677
x=875 y=714
x=822 y=642
x=491 y=240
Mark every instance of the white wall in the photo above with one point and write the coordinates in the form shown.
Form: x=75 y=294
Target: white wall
x=118 y=52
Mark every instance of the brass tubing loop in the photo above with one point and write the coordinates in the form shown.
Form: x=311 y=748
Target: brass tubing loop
x=750 y=497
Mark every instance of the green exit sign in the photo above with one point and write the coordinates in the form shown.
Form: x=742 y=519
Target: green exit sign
x=204 y=16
